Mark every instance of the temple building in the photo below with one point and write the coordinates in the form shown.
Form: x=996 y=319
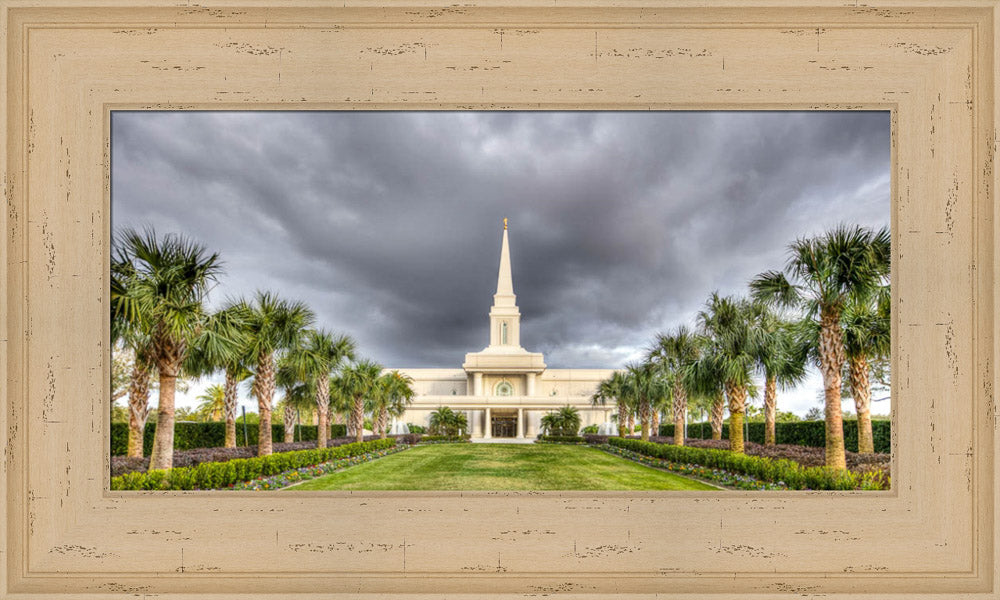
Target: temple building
x=504 y=389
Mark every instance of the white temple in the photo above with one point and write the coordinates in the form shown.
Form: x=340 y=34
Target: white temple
x=504 y=389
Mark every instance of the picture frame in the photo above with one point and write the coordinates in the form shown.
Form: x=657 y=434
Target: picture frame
x=67 y=65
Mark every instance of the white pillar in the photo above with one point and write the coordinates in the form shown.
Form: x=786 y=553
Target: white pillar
x=488 y=425
x=477 y=384
x=475 y=425
x=532 y=428
x=531 y=385
x=520 y=423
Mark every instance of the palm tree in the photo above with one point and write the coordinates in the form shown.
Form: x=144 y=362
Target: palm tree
x=645 y=386
x=866 y=337
x=234 y=363
x=445 y=421
x=273 y=325
x=613 y=388
x=359 y=381
x=340 y=402
x=222 y=345
x=821 y=276
x=299 y=397
x=320 y=354
x=212 y=402
x=160 y=290
x=673 y=355
x=565 y=421
x=140 y=378
x=780 y=359
x=727 y=322
x=393 y=394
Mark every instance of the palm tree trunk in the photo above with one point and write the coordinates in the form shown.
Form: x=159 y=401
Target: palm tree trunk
x=162 y=456
x=770 y=409
x=680 y=412
x=383 y=421
x=831 y=358
x=358 y=419
x=631 y=422
x=289 y=418
x=622 y=409
x=644 y=410
x=138 y=405
x=322 y=411
x=718 y=412
x=229 y=400
x=737 y=403
x=264 y=384
x=861 y=389
x=655 y=427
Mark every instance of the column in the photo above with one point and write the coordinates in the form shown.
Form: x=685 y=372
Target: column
x=532 y=427
x=477 y=384
x=475 y=425
x=520 y=423
x=531 y=384
x=487 y=424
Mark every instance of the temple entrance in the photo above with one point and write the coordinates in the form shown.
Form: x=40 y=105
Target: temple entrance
x=503 y=426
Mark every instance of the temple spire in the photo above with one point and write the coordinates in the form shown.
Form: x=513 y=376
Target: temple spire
x=505 y=283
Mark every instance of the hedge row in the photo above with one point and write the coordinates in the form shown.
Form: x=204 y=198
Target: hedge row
x=444 y=438
x=188 y=436
x=562 y=439
x=214 y=475
x=792 y=474
x=802 y=433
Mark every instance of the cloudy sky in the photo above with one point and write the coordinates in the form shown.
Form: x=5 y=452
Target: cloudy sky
x=388 y=224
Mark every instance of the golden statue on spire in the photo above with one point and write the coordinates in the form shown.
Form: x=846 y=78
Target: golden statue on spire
x=505 y=223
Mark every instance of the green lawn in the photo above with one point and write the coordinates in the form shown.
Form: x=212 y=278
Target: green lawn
x=501 y=467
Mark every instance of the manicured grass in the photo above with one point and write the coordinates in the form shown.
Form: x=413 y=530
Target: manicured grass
x=501 y=467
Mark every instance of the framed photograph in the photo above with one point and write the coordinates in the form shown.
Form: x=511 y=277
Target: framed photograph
x=72 y=70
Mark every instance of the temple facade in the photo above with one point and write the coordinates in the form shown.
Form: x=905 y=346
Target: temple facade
x=504 y=389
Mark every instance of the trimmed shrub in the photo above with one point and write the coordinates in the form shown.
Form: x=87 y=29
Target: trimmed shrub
x=792 y=474
x=218 y=475
x=562 y=439
x=188 y=436
x=802 y=433
x=445 y=438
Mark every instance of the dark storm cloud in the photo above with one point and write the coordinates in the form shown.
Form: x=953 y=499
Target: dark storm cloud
x=388 y=224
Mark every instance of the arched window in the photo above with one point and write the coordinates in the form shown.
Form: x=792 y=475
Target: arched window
x=503 y=333
x=504 y=388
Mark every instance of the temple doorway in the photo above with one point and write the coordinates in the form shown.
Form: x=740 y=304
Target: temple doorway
x=503 y=425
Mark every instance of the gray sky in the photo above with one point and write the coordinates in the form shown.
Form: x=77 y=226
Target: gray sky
x=388 y=224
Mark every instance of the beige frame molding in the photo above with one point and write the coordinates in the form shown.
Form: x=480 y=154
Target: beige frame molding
x=67 y=63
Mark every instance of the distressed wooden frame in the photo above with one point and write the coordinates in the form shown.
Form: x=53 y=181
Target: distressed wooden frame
x=67 y=63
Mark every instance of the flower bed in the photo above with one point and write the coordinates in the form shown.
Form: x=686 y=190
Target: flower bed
x=282 y=480
x=784 y=472
x=717 y=476
x=191 y=458
x=215 y=475
x=807 y=456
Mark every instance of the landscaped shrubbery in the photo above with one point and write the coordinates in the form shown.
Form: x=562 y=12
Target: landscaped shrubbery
x=188 y=436
x=208 y=476
x=802 y=433
x=792 y=474
x=444 y=438
x=562 y=439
